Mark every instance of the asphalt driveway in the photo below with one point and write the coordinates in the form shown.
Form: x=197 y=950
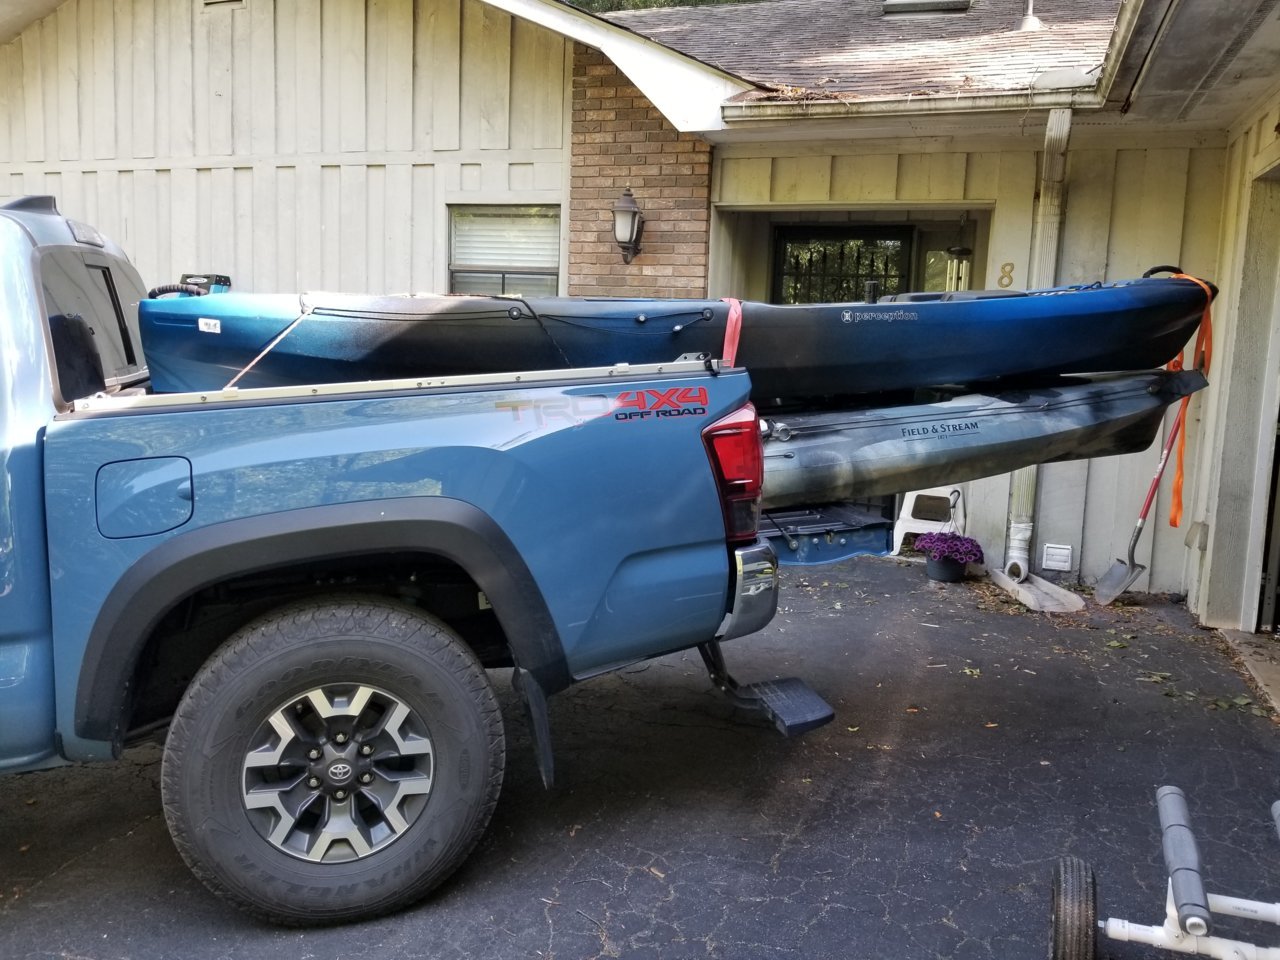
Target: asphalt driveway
x=973 y=744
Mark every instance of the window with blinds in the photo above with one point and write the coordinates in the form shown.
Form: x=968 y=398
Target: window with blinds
x=514 y=251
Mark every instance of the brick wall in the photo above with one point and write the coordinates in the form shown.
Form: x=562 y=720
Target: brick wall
x=619 y=140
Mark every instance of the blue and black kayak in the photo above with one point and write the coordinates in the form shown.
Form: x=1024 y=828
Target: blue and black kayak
x=794 y=353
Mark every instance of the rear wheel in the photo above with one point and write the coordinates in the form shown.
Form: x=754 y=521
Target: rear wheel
x=1075 y=911
x=332 y=761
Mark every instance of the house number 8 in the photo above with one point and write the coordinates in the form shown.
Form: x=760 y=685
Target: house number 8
x=1006 y=275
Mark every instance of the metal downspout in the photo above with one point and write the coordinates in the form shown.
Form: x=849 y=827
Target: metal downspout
x=1042 y=272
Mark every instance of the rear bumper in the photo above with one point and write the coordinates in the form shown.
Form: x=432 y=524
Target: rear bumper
x=755 y=591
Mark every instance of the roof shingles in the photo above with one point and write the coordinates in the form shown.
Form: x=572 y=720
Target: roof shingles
x=849 y=49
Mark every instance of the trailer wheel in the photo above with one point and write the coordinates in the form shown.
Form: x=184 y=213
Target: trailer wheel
x=332 y=761
x=1075 y=911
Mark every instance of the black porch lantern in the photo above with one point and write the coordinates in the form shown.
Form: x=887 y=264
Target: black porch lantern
x=628 y=223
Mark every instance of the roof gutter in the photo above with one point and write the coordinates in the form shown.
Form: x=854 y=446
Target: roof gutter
x=1076 y=98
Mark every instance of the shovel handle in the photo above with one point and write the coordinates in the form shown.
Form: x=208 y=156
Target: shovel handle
x=1164 y=458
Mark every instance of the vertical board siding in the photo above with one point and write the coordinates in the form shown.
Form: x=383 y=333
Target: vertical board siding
x=1224 y=588
x=310 y=68
x=438 y=90
x=801 y=180
x=1126 y=210
x=535 y=109
x=68 y=93
x=141 y=104
x=252 y=99
x=32 y=86
x=931 y=176
x=295 y=144
x=121 y=70
x=1158 y=200
x=486 y=76
x=102 y=41
x=865 y=178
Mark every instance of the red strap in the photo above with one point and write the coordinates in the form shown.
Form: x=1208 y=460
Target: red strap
x=1200 y=358
x=732 y=330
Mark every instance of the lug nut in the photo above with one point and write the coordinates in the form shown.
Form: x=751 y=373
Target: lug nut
x=339 y=738
x=313 y=782
x=366 y=750
x=366 y=778
x=340 y=795
x=313 y=753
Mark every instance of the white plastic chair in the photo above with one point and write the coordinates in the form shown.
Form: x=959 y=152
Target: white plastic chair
x=924 y=511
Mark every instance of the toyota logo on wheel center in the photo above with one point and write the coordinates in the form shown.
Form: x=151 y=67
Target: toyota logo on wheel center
x=340 y=772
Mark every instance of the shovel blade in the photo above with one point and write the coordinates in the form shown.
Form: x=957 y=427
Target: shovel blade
x=1116 y=581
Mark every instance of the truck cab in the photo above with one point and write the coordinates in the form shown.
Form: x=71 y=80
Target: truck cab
x=70 y=299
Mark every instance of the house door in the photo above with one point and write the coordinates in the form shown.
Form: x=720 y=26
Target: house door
x=839 y=263
x=836 y=263
x=1269 y=606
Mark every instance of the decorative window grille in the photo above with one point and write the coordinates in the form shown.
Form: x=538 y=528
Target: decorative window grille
x=834 y=264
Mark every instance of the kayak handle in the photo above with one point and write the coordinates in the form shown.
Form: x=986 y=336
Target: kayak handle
x=188 y=288
x=1163 y=268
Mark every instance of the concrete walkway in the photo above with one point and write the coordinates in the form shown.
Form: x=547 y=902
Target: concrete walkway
x=974 y=743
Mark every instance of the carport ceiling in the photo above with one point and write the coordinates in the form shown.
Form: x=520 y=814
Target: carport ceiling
x=1199 y=60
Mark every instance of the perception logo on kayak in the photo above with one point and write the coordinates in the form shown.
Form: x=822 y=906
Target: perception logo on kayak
x=628 y=405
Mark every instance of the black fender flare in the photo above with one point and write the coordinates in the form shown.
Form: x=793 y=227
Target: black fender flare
x=188 y=562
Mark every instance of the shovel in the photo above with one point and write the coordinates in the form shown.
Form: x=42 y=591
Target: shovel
x=1122 y=574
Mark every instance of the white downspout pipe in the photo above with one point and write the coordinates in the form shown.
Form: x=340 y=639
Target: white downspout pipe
x=1042 y=272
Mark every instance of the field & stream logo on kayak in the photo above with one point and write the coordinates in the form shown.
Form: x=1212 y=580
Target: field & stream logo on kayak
x=943 y=429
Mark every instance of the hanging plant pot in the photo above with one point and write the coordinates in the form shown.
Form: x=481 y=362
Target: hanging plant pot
x=945 y=569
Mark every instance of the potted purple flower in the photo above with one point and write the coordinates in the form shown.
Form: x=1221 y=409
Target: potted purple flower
x=947 y=555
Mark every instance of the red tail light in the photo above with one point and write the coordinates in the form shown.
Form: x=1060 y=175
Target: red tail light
x=733 y=444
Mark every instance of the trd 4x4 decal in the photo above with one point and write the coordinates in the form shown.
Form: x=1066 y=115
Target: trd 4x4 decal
x=628 y=405
x=676 y=402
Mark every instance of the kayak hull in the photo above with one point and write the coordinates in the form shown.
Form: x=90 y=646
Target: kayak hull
x=795 y=353
x=827 y=457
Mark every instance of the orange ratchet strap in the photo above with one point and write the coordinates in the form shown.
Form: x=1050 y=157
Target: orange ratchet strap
x=732 y=330
x=1200 y=358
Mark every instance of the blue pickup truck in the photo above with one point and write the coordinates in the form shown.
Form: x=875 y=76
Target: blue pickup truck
x=308 y=585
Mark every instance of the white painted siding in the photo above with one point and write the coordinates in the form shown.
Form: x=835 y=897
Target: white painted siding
x=1240 y=410
x=1126 y=209
x=294 y=144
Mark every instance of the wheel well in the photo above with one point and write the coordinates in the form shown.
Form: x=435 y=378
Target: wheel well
x=193 y=628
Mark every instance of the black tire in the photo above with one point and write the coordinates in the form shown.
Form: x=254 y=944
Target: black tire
x=333 y=761
x=1075 y=911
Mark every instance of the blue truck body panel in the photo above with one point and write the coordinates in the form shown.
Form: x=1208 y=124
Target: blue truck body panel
x=618 y=520
x=26 y=404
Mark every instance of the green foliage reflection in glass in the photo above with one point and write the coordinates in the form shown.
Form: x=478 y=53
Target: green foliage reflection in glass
x=835 y=269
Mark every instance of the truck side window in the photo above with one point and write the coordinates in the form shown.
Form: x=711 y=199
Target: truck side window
x=80 y=294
